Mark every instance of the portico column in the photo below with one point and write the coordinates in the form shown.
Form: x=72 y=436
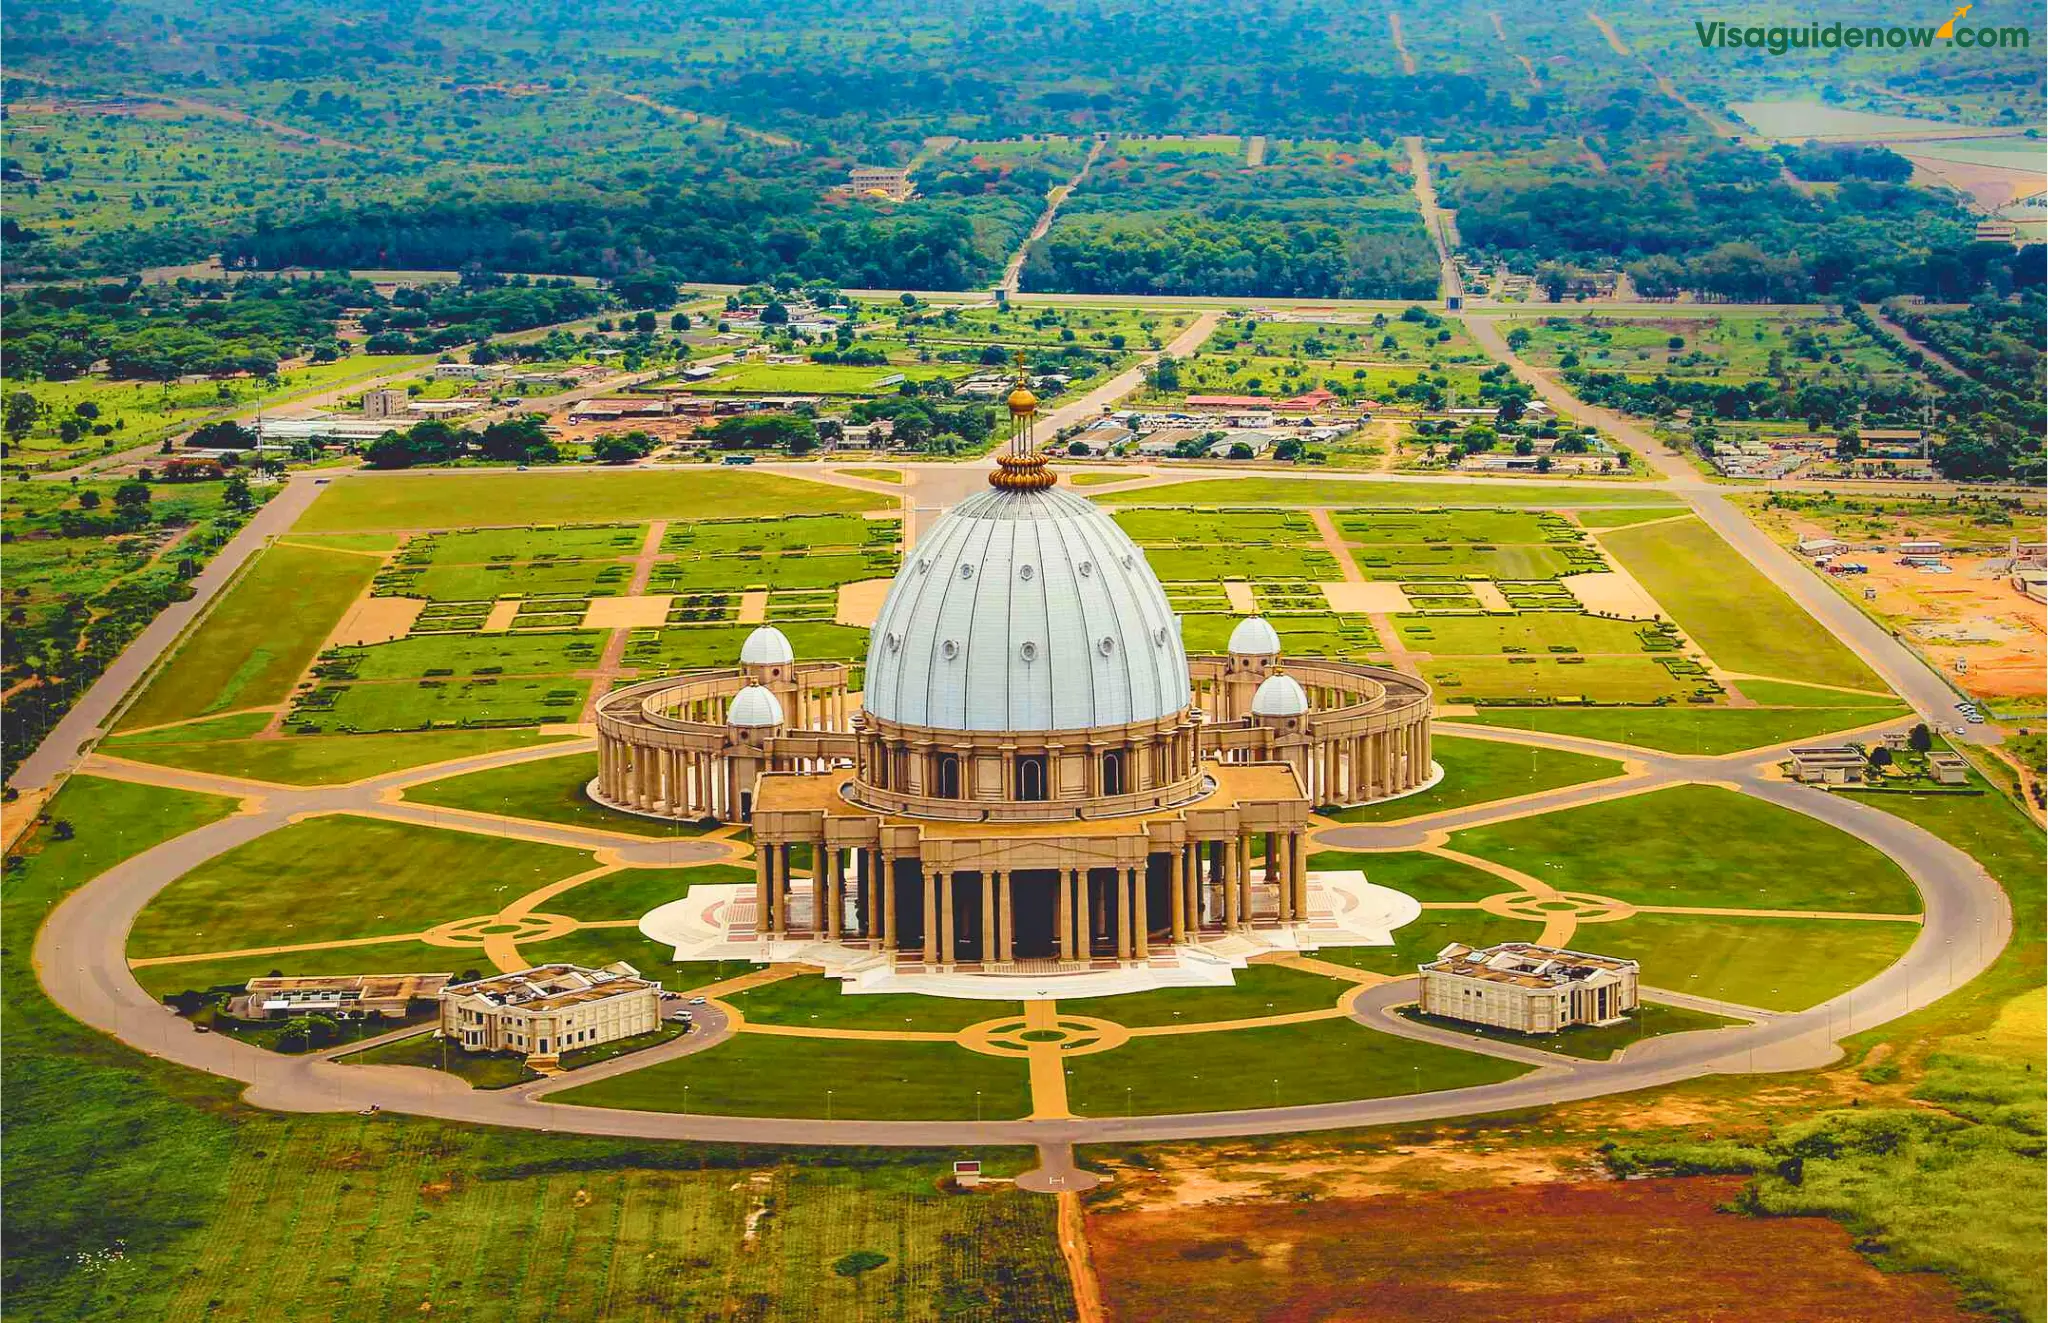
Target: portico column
x=1230 y=893
x=1299 y=856
x=1176 y=903
x=1123 y=914
x=931 y=916
x=1244 y=879
x=951 y=940
x=1063 y=912
x=886 y=897
x=763 y=879
x=1280 y=869
x=831 y=875
x=1006 y=918
x=988 y=917
x=1140 y=917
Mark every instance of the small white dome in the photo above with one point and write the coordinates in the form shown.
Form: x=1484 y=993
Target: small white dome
x=1255 y=637
x=754 y=706
x=1278 y=695
x=766 y=646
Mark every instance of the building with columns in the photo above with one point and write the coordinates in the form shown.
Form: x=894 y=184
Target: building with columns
x=1037 y=776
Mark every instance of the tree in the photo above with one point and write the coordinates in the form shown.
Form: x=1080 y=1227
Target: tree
x=88 y=500
x=1553 y=280
x=430 y=442
x=646 y=289
x=23 y=412
x=522 y=440
x=132 y=498
x=1519 y=338
x=1166 y=374
x=224 y=434
x=237 y=496
x=775 y=314
x=1848 y=445
x=645 y=323
x=1920 y=739
x=1880 y=757
x=1241 y=450
x=614 y=449
x=1288 y=451
x=679 y=322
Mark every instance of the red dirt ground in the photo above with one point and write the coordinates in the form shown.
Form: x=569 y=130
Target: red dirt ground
x=1564 y=1253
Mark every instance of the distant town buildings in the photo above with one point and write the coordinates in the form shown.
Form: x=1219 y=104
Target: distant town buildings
x=386 y=404
x=550 y=1009
x=1527 y=988
x=888 y=182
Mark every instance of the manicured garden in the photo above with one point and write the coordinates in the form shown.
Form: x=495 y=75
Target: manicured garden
x=1479 y=771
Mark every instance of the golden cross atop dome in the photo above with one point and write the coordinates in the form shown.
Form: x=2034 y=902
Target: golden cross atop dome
x=1022 y=468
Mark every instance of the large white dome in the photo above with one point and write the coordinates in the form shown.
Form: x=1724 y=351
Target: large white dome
x=1025 y=610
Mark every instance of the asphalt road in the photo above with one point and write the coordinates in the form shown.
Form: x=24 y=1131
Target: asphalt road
x=79 y=957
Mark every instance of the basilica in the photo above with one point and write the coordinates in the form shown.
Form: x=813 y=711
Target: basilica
x=1036 y=776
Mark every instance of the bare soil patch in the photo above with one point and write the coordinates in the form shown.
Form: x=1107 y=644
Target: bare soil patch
x=1566 y=1252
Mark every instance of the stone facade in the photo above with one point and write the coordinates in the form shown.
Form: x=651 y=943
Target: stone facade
x=552 y=1009
x=1527 y=988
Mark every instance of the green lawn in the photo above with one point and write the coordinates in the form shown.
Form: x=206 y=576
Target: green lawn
x=258 y=639
x=1549 y=679
x=418 y=705
x=463 y=500
x=1538 y=633
x=1427 y=877
x=550 y=790
x=1698 y=845
x=469 y=655
x=398 y=957
x=816 y=378
x=852 y=1079
x=1283 y=1066
x=1744 y=621
x=316 y=760
x=1623 y=518
x=1649 y=1020
x=1785 y=693
x=814 y=1000
x=1338 y=492
x=337 y=877
x=1256 y=991
x=1420 y=941
x=480 y=1070
x=1480 y=771
x=1773 y=964
x=1702 y=731
x=632 y=892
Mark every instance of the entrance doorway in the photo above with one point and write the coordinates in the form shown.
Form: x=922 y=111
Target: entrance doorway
x=1034 y=900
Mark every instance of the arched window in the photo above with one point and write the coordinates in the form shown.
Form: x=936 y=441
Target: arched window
x=1113 y=772
x=948 y=778
x=1031 y=776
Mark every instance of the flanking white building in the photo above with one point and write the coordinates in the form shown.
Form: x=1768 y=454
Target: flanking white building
x=549 y=1010
x=1527 y=988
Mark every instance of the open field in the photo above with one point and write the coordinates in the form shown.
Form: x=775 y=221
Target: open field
x=853 y=1079
x=1480 y=771
x=1400 y=1257
x=1689 y=730
x=1588 y=1042
x=1723 y=345
x=550 y=790
x=1549 y=679
x=1698 y=845
x=1429 y=878
x=331 y=878
x=248 y=651
x=809 y=1000
x=465 y=500
x=1743 y=620
x=1774 y=964
x=1339 y=493
x=1281 y=1066
x=312 y=760
x=1256 y=991
x=814 y=378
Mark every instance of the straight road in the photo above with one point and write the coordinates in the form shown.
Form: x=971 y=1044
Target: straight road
x=86 y=720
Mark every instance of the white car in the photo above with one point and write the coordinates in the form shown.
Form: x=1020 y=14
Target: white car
x=1976 y=718
x=696 y=1001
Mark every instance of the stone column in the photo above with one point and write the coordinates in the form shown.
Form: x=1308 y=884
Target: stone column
x=1176 y=898
x=931 y=915
x=1006 y=917
x=1231 y=919
x=763 y=880
x=1244 y=879
x=1299 y=855
x=1141 y=919
x=949 y=937
x=885 y=896
x=833 y=908
x=988 y=918
x=1280 y=869
x=1063 y=912
x=1123 y=914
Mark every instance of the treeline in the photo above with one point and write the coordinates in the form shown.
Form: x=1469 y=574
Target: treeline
x=159 y=333
x=1721 y=225
x=1828 y=163
x=734 y=235
x=1235 y=255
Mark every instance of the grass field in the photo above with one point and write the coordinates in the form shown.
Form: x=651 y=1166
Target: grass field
x=815 y=1001
x=258 y=639
x=1688 y=730
x=1480 y=771
x=1698 y=845
x=1255 y=991
x=815 y=378
x=480 y=1070
x=1790 y=693
x=1282 y=1066
x=550 y=790
x=1538 y=633
x=1429 y=878
x=853 y=1079
x=337 y=877
x=1742 y=619
x=1623 y=518
x=1773 y=964
x=464 y=500
x=1549 y=679
x=312 y=760
x=1322 y=491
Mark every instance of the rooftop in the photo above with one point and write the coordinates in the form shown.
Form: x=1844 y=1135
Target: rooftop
x=1526 y=965
x=550 y=987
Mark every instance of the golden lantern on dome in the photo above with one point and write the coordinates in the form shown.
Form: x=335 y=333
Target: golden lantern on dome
x=1022 y=468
